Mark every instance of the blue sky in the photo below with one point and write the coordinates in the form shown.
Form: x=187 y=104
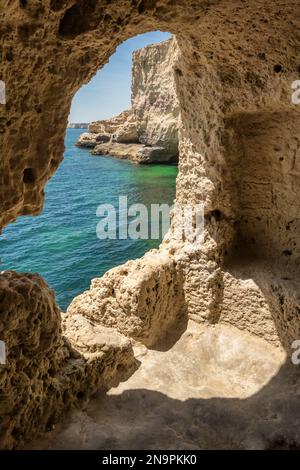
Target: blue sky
x=108 y=93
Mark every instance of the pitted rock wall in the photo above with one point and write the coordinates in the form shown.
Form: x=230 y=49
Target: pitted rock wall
x=47 y=372
x=143 y=298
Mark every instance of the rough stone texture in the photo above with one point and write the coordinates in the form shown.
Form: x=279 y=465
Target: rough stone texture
x=137 y=153
x=154 y=98
x=153 y=119
x=123 y=151
x=141 y=299
x=90 y=140
x=47 y=372
x=215 y=388
x=239 y=156
x=157 y=154
x=263 y=299
x=121 y=128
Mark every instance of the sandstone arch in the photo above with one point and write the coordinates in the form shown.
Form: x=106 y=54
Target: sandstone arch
x=239 y=155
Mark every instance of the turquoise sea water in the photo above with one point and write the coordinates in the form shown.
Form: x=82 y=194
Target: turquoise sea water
x=61 y=243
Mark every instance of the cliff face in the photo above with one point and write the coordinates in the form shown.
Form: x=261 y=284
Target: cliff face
x=151 y=125
x=121 y=128
x=154 y=100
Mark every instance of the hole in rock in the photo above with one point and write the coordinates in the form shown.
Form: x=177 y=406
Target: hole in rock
x=57 y=5
x=277 y=68
x=9 y=55
x=287 y=253
x=81 y=395
x=216 y=215
x=78 y=19
x=28 y=176
x=62 y=243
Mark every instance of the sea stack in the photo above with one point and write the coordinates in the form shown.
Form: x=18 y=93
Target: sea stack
x=148 y=132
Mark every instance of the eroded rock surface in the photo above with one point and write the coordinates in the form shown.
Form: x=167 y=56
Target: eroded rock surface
x=46 y=371
x=215 y=388
x=121 y=128
x=142 y=299
x=154 y=97
x=239 y=157
x=123 y=151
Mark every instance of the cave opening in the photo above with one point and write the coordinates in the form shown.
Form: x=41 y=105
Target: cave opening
x=113 y=113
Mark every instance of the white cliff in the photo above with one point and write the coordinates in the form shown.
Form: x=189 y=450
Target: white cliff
x=148 y=132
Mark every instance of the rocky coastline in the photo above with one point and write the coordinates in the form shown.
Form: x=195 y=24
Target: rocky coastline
x=148 y=132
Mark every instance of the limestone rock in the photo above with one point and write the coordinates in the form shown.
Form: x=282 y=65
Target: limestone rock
x=90 y=140
x=142 y=299
x=153 y=119
x=87 y=139
x=239 y=157
x=156 y=154
x=45 y=371
x=110 y=126
x=126 y=133
x=137 y=153
x=212 y=389
x=123 y=151
x=154 y=98
x=120 y=128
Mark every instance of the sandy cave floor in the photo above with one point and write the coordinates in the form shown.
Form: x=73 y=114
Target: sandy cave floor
x=215 y=388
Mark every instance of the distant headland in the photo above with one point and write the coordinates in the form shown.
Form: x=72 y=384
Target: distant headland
x=78 y=125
